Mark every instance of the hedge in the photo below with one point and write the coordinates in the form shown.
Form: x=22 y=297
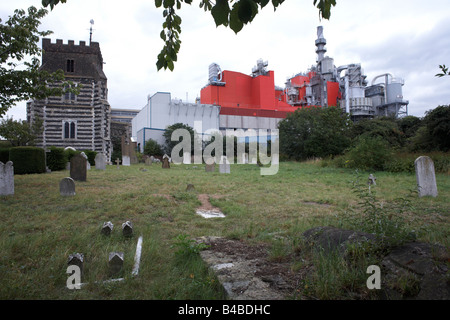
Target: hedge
x=56 y=159
x=27 y=160
x=4 y=155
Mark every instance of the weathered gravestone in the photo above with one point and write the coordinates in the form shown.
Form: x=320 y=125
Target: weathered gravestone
x=125 y=160
x=67 y=187
x=224 y=166
x=76 y=259
x=78 y=168
x=425 y=176
x=127 y=229
x=165 y=162
x=115 y=263
x=107 y=228
x=148 y=161
x=100 y=161
x=6 y=178
x=118 y=163
x=210 y=167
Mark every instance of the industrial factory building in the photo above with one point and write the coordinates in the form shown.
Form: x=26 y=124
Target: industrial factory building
x=252 y=101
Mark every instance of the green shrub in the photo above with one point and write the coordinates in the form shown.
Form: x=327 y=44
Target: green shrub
x=70 y=153
x=4 y=155
x=152 y=148
x=27 y=160
x=369 y=153
x=56 y=159
x=91 y=156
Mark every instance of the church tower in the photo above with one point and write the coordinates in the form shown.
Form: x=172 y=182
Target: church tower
x=80 y=121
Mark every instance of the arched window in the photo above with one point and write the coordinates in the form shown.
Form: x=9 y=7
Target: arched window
x=69 y=129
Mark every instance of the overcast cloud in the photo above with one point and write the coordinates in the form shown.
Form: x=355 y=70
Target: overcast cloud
x=407 y=38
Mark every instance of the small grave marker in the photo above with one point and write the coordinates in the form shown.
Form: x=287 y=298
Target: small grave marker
x=67 y=187
x=100 y=161
x=6 y=178
x=107 y=228
x=115 y=263
x=425 y=176
x=76 y=259
x=127 y=229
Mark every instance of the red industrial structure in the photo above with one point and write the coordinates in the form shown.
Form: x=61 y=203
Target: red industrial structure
x=255 y=95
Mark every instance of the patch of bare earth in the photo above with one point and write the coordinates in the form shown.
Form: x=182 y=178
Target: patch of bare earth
x=247 y=273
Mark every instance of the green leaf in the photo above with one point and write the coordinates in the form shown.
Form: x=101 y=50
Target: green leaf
x=247 y=10
x=158 y=3
x=220 y=12
x=235 y=23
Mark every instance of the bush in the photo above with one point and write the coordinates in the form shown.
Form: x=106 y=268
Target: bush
x=70 y=153
x=152 y=148
x=4 y=155
x=91 y=156
x=369 y=153
x=27 y=160
x=56 y=159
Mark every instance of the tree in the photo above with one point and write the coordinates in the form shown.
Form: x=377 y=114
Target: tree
x=169 y=144
x=21 y=79
x=314 y=132
x=20 y=133
x=152 y=148
x=229 y=13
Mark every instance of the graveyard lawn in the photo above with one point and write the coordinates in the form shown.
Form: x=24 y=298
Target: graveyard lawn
x=39 y=228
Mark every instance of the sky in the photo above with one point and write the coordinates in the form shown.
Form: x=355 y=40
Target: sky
x=406 y=38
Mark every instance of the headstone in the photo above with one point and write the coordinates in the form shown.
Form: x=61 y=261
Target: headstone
x=148 y=161
x=118 y=163
x=125 y=160
x=6 y=178
x=78 y=168
x=68 y=166
x=100 y=161
x=107 y=228
x=425 y=176
x=76 y=259
x=224 y=166
x=88 y=165
x=165 y=163
x=127 y=229
x=186 y=158
x=152 y=159
x=115 y=262
x=67 y=187
x=210 y=167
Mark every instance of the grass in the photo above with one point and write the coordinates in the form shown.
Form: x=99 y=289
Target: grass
x=39 y=228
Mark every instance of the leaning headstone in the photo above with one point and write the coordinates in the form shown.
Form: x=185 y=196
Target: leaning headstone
x=67 y=187
x=78 y=168
x=76 y=259
x=127 y=229
x=100 y=161
x=224 y=166
x=6 y=178
x=125 y=160
x=210 y=167
x=107 y=228
x=115 y=262
x=425 y=176
x=165 y=163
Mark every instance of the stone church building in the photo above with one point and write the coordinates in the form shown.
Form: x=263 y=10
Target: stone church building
x=80 y=121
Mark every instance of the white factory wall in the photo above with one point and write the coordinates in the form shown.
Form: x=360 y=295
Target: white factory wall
x=161 y=111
